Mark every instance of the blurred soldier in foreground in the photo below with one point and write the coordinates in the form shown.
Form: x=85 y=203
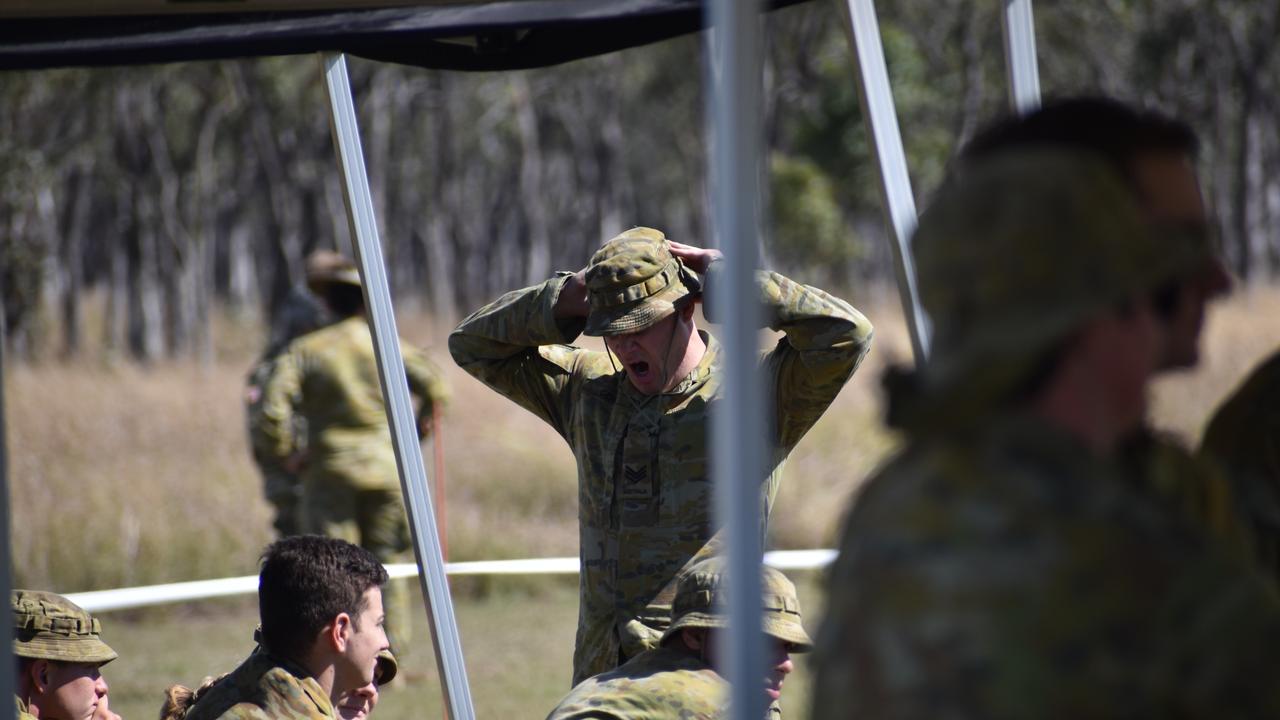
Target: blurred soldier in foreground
x=681 y=677
x=1001 y=566
x=1244 y=437
x=351 y=489
x=59 y=657
x=300 y=314
x=1155 y=156
x=320 y=605
x=639 y=432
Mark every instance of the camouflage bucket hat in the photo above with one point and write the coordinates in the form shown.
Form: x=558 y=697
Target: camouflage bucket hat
x=634 y=281
x=700 y=601
x=1019 y=250
x=386 y=669
x=47 y=626
x=326 y=266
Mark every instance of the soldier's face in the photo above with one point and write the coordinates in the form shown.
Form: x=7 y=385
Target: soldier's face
x=651 y=356
x=71 y=691
x=779 y=655
x=1171 y=197
x=365 y=640
x=357 y=704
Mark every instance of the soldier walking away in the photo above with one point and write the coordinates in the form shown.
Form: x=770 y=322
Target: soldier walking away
x=1001 y=565
x=59 y=656
x=681 y=678
x=301 y=313
x=320 y=605
x=636 y=416
x=351 y=489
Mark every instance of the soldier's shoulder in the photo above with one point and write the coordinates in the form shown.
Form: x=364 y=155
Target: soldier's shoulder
x=656 y=683
x=261 y=689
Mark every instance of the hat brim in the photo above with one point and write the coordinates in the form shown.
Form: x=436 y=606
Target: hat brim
x=90 y=649
x=781 y=628
x=635 y=316
x=386 y=668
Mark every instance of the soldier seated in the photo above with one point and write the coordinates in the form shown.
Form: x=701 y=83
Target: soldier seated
x=60 y=655
x=681 y=677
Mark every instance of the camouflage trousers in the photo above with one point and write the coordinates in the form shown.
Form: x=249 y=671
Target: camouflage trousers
x=283 y=491
x=376 y=521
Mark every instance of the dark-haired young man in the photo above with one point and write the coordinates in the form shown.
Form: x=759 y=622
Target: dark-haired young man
x=350 y=487
x=1154 y=155
x=320 y=605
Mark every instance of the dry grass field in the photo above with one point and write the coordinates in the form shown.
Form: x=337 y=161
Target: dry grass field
x=122 y=475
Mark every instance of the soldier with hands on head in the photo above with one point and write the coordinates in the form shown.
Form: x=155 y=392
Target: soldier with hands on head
x=681 y=678
x=320 y=605
x=59 y=653
x=1002 y=565
x=636 y=415
x=351 y=488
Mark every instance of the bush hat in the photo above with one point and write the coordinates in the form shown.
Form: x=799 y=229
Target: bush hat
x=325 y=267
x=634 y=281
x=47 y=626
x=701 y=601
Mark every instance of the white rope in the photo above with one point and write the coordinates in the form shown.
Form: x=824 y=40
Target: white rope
x=136 y=597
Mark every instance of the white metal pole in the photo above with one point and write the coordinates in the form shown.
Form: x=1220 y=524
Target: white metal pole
x=395 y=388
x=876 y=98
x=7 y=669
x=738 y=425
x=1020 y=55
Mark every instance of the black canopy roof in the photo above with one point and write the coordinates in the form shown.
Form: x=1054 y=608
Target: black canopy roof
x=506 y=35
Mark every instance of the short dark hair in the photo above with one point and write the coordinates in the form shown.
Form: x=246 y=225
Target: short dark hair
x=344 y=299
x=1117 y=132
x=306 y=581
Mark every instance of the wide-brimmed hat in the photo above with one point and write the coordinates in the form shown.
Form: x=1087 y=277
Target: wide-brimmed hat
x=325 y=267
x=634 y=281
x=47 y=626
x=701 y=601
x=386 y=669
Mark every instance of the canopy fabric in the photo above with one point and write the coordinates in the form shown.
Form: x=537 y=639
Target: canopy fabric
x=506 y=35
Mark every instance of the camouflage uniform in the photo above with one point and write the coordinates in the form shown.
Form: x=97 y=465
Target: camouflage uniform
x=998 y=567
x=1244 y=436
x=47 y=626
x=351 y=488
x=644 y=486
x=669 y=682
x=300 y=315
x=264 y=688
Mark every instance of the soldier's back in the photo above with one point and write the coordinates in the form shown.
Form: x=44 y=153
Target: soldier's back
x=659 y=684
x=263 y=688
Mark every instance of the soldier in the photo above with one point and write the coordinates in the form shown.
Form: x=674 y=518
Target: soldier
x=639 y=431
x=1155 y=156
x=320 y=605
x=60 y=654
x=1000 y=565
x=300 y=314
x=351 y=489
x=681 y=678
x=1243 y=435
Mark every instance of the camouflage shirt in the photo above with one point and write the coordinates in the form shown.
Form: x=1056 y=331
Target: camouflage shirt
x=1244 y=437
x=330 y=376
x=264 y=688
x=644 y=488
x=660 y=684
x=1005 y=572
x=22 y=709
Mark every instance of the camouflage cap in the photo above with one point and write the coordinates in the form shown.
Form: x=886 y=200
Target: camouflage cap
x=634 y=281
x=701 y=601
x=1018 y=250
x=326 y=266
x=386 y=669
x=47 y=626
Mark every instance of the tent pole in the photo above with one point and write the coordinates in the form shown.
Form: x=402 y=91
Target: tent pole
x=1020 y=55
x=876 y=98
x=738 y=425
x=395 y=388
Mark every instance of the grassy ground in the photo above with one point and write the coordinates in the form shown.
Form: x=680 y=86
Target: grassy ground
x=123 y=475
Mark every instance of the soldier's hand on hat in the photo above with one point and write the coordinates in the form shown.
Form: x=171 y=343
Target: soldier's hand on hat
x=572 y=301
x=102 y=712
x=695 y=258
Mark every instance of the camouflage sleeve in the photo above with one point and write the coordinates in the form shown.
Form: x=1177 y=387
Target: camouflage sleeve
x=826 y=339
x=425 y=379
x=515 y=346
x=274 y=422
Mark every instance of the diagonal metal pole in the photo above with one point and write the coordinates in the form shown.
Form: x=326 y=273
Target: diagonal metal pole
x=876 y=98
x=738 y=424
x=1020 y=55
x=395 y=388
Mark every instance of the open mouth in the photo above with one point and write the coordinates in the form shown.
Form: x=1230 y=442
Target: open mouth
x=638 y=370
